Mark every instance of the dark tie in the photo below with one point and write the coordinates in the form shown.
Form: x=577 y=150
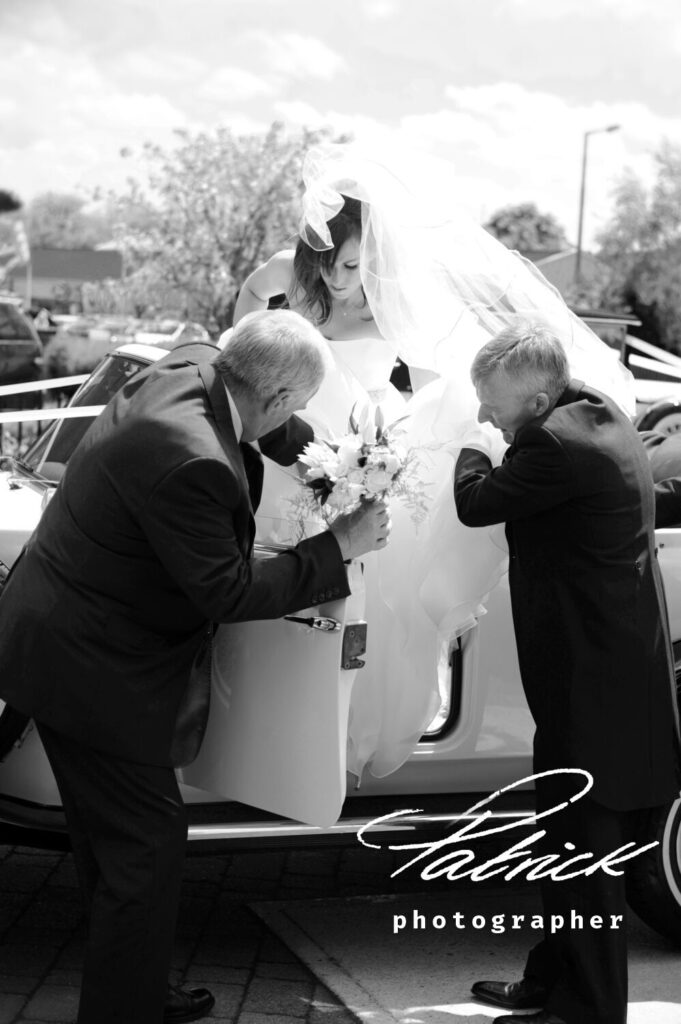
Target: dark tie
x=254 y=472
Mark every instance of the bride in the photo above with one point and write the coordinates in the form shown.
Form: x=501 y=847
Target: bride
x=385 y=266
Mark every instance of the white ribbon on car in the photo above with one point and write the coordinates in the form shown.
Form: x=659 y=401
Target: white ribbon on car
x=32 y=415
x=43 y=385
x=65 y=413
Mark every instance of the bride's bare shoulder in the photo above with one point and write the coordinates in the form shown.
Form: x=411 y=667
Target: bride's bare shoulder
x=283 y=258
x=273 y=277
x=277 y=272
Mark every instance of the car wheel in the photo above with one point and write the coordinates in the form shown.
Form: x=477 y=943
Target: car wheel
x=654 y=879
x=664 y=417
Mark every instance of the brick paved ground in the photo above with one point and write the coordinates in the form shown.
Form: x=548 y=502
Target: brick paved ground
x=221 y=943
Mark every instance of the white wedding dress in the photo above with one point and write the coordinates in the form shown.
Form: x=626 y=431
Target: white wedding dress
x=424 y=588
x=440 y=286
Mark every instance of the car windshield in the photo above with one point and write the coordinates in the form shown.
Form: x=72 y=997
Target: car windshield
x=13 y=326
x=54 y=448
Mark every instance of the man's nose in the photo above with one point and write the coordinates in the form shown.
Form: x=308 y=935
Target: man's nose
x=483 y=415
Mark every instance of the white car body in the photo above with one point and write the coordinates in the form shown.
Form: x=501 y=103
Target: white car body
x=483 y=744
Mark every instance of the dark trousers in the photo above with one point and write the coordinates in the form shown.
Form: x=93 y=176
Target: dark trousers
x=585 y=969
x=128 y=829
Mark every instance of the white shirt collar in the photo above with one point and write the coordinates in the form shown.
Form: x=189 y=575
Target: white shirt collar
x=236 y=419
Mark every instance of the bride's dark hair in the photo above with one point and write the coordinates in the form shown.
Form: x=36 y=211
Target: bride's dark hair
x=308 y=262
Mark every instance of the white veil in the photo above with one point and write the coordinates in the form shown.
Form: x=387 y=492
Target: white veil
x=439 y=286
x=436 y=282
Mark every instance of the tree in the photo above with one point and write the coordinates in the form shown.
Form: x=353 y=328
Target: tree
x=641 y=244
x=59 y=220
x=524 y=228
x=214 y=208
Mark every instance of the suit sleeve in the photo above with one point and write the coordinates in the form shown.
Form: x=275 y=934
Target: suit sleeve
x=537 y=475
x=189 y=521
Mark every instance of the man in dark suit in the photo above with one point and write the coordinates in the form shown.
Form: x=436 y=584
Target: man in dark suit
x=576 y=494
x=146 y=542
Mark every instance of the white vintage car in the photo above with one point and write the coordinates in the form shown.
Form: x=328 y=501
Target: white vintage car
x=285 y=776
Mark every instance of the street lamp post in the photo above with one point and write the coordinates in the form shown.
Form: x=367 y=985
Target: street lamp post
x=582 y=188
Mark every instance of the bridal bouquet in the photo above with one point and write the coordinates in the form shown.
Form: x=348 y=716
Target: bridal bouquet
x=367 y=463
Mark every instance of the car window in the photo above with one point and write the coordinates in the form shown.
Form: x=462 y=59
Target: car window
x=59 y=440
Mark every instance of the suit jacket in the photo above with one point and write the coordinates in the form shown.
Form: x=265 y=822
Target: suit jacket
x=576 y=494
x=147 y=541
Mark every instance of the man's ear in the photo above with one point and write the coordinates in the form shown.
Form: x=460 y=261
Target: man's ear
x=541 y=403
x=277 y=401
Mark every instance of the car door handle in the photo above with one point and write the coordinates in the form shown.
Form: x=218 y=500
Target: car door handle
x=323 y=622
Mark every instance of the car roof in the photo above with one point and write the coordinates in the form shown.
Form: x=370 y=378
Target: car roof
x=150 y=353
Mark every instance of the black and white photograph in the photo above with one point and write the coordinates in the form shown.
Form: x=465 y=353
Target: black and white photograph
x=340 y=512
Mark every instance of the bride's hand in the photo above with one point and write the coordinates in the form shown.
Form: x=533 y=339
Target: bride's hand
x=366 y=529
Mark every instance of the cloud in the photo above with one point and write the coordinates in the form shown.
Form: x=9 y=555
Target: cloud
x=508 y=144
x=527 y=145
x=661 y=10
x=229 y=85
x=378 y=10
x=239 y=123
x=156 y=66
x=70 y=137
x=295 y=56
x=76 y=90
x=301 y=113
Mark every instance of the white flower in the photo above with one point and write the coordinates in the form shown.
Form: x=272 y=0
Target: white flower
x=392 y=463
x=321 y=460
x=387 y=468
x=366 y=427
x=345 y=495
x=349 y=451
x=316 y=455
x=378 y=480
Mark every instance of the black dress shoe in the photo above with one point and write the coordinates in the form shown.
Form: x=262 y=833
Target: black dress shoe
x=512 y=995
x=542 y=1017
x=183 y=1004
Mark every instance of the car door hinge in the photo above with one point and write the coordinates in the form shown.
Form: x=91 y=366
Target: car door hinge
x=354 y=644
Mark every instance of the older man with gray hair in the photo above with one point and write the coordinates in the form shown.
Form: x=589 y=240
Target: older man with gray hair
x=576 y=494
x=146 y=543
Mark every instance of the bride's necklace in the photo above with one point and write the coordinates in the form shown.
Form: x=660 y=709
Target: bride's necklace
x=349 y=309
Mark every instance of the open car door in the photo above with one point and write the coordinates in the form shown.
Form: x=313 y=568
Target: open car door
x=280 y=693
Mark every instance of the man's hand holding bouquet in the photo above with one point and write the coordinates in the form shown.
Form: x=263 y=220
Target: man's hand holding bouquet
x=370 y=463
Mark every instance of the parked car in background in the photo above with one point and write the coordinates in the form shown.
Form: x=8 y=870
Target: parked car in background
x=167 y=332
x=20 y=346
x=480 y=742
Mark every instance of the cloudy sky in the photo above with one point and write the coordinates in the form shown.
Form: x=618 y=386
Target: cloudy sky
x=504 y=89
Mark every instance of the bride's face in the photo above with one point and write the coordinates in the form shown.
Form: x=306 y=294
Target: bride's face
x=342 y=278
